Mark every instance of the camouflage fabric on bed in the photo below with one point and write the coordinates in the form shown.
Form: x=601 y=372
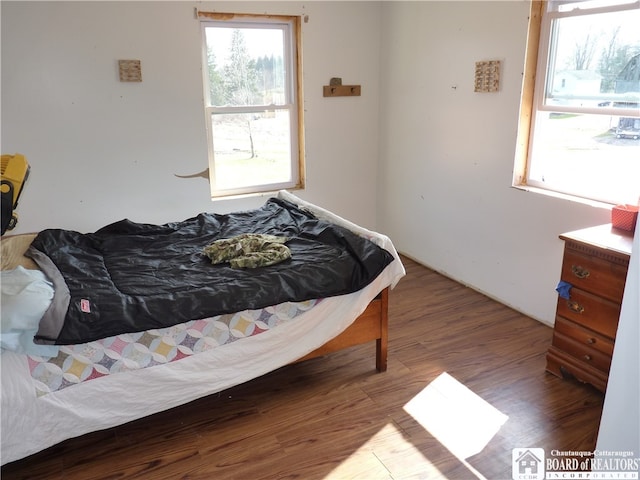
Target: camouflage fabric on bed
x=249 y=250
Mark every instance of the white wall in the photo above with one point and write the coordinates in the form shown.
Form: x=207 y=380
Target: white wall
x=101 y=150
x=620 y=424
x=447 y=154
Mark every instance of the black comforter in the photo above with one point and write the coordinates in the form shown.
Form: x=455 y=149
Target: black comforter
x=130 y=277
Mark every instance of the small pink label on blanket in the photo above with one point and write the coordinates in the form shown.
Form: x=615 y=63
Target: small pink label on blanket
x=85 y=306
x=75 y=364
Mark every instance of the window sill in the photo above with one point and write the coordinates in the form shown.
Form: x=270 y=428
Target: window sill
x=563 y=196
x=262 y=194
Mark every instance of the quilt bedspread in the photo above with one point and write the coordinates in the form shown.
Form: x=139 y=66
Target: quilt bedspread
x=75 y=364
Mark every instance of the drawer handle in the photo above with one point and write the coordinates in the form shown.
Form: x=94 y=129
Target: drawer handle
x=591 y=341
x=575 y=306
x=579 y=271
x=587 y=358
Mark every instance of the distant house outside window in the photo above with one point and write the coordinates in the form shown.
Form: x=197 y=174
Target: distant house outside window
x=578 y=132
x=252 y=94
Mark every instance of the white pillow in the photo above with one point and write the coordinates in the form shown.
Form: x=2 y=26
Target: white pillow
x=26 y=295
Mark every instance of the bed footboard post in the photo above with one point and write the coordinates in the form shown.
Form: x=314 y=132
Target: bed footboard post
x=383 y=342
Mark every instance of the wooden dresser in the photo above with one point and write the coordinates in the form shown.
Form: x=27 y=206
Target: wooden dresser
x=595 y=264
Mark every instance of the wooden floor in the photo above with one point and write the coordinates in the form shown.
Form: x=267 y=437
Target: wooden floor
x=463 y=371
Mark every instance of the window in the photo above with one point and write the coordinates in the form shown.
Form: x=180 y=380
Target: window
x=252 y=94
x=579 y=126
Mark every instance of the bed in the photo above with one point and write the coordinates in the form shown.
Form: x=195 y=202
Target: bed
x=55 y=389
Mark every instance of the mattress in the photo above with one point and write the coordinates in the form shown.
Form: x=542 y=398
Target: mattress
x=36 y=415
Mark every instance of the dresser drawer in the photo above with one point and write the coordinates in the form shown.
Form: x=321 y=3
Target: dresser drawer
x=584 y=336
x=582 y=353
x=594 y=274
x=590 y=311
x=561 y=364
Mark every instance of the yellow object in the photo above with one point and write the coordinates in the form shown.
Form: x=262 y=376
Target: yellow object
x=15 y=171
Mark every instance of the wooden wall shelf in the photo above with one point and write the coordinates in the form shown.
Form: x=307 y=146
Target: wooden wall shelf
x=341 y=91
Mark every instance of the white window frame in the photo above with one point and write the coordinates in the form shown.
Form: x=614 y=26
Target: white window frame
x=291 y=27
x=538 y=52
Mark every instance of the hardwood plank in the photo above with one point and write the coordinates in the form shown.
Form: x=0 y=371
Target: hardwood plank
x=335 y=417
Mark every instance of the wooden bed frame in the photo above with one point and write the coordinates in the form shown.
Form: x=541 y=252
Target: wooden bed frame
x=371 y=325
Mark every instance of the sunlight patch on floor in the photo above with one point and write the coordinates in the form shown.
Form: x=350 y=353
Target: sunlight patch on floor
x=460 y=420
